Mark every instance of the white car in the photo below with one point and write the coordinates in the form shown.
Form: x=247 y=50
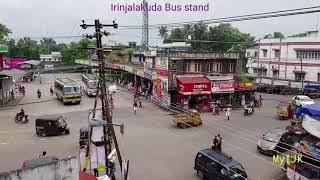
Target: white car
x=302 y=100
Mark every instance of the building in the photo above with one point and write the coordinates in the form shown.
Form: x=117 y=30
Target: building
x=53 y=57
x=291 y=61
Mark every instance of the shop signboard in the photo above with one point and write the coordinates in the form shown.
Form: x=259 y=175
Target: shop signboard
x=159 y=88
x=148 y=73
x=222 y=86
x=128 y=69
x=195 y=88
x=3 y=48
x=162 y=72
x=244 y=86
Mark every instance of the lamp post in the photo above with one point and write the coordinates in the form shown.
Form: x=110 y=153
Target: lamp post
x=302 y=76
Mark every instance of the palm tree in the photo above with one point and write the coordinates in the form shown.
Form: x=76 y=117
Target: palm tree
x=4 y=31
x=163 y=32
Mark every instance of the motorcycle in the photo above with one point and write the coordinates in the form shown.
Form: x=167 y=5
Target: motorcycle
x=20 y=119
x=248 y=111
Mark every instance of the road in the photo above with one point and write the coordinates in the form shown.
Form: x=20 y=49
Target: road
x=156 y=148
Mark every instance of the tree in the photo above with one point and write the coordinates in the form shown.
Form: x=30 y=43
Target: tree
x=163 y=32
x=4 y=32
x=278 y=35
x=177 y=35
x=76 y=50
x=24 y=48
x=199 y=32
x=299 y=35
x=128 y=52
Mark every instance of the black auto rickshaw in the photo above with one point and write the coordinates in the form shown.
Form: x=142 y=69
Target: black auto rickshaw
x=51 y=126
x=83 y=137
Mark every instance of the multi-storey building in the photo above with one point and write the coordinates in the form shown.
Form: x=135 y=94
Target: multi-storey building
x=291 y=61
x=53 y=57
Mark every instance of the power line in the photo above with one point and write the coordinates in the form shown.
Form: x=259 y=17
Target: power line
x=231 y=19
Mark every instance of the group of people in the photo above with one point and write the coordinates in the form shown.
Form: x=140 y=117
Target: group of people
x=217 y=143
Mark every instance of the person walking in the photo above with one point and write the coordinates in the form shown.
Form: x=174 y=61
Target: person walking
x=140 y=103
x=135 y=106
x=215 y=143
x=228 y=112
x=219 y=144
x=51 y=90
x=23 y=89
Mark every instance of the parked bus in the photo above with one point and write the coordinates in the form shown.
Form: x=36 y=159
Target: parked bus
x=67 y=90
x=91 y=83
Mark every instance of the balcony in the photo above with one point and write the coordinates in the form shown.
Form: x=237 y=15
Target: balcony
x=190 y=55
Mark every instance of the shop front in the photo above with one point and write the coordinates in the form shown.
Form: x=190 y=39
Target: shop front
x=160 y=91
x=222 y=90
x=194 y=92
x=244 y=93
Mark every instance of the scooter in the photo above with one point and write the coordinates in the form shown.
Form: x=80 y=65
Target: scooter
x=19 y=119
x=248 y=111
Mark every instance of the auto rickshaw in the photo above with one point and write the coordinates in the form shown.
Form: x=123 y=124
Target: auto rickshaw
x=285 y=110
x=83 y=137
x=51 y=126
x=191 y=118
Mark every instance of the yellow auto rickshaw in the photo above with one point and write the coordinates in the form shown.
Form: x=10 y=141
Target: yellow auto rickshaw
x=285 y=110
x=191 y=118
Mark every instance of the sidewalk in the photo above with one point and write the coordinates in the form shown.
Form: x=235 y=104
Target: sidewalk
x=12 y=103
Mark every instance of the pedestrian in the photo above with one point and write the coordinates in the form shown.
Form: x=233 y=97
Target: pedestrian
x=51 y=90
x=260 y=99
x=135 y=106
x=228 y=112
x=215 y=143
x=140 y=103
x=219 y=143
x=12 y=94
x=23 y=89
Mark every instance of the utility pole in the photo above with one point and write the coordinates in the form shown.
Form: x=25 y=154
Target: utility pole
x=110 y=136
x=302 y=76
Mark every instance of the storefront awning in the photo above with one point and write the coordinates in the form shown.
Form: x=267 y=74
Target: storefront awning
x=194 y=85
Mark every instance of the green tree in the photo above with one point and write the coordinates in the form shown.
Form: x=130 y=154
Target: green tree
x=76 y=50
x=177 y=35
x=48 y=45
x=278 y=35
x=129 y=53
x=24 y=48
x=4 y=32
x=163 y=32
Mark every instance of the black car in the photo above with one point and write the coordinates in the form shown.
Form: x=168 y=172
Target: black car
x=279 y=140
x=51 y=126
x=211 y=164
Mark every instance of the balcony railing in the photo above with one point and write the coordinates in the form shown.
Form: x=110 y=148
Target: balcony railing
x=204 y=55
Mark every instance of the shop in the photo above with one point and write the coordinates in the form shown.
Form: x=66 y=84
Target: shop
x=160 y=90
x=243 y=94
x=222 y=89
x=194 y=92
x=149 y=78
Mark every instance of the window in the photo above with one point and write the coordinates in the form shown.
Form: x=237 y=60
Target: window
x=276 y=53
x=308 y=55
x=187 y=66
x=264 y=51
x=255 y=54
x=211 y=67
x=275 y=74
x=299 y=76
x=232 y=67
x=248 y=54
x=255 y=71
x=197 y=67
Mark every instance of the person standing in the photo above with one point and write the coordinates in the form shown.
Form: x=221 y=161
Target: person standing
x=135 y=106
x=228 y=112
x=23 y=89
x=140 y=103
x=219 y=144
x=51 y=90
x=215 y=142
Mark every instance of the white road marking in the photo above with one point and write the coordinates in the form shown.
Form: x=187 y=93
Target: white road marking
x=4 y=143
x=42 y=139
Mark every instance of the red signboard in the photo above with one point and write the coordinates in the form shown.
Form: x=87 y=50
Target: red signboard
x=162 y=72
x=195 y=88
x=159 y=88
x=222 y=86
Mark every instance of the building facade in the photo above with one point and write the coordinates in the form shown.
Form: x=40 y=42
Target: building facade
x=292 y=61
x=53 y=57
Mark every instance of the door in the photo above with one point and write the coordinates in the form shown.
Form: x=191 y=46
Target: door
x=212 y=170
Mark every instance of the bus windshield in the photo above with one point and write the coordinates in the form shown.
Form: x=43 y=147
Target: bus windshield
x=92 y=84
x=71 y=89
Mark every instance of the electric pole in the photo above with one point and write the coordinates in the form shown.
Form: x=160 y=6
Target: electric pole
x=302 y=76
x=109 y=134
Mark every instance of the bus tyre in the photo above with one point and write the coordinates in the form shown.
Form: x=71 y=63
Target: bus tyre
x=67 y=131
x=200 y=174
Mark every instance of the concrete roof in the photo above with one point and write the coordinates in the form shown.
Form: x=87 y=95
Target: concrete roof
x=15 y=73
x=32 y=62
x=219 y=78
x=175 y=44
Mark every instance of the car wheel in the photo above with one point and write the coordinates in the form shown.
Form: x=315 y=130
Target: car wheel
x=67 y=131
x=43 y=134
x=200 y=174
x=183 y=126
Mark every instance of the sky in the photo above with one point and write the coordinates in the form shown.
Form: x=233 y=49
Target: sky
x=50 y=18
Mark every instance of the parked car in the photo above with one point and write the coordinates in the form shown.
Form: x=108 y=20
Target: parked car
x=280 y=140
x=211 y=164
x=301 y=100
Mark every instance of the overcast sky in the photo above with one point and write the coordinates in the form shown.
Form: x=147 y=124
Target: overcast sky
x=39 y=18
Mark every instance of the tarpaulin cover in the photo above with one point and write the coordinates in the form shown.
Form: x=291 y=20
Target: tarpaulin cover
x=312 y=87
x=311 y=110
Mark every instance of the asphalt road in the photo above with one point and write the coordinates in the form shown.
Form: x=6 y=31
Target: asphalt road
x=156 y=148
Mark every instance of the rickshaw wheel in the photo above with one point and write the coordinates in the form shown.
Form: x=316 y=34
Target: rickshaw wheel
x=43 y=134
x=67 y=131
x=183 y=126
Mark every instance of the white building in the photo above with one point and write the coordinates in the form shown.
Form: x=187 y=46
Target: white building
x=286 y=61
x=54 y=56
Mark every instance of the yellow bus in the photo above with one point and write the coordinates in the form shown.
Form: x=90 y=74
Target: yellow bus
x=67 y=90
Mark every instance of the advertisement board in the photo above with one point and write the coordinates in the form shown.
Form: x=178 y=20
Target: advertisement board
x=3 y=48
x=194 y=88
x=222 y=86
